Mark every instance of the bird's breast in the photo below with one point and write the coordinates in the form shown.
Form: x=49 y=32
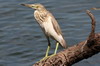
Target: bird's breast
x=48 y=27
x=40 y=16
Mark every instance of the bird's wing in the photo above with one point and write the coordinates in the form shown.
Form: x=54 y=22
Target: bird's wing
x=55 y=25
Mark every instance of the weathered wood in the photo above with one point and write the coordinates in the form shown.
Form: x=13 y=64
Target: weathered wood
x=78 y=52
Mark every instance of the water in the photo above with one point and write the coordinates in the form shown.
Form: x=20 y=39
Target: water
x=22 y=42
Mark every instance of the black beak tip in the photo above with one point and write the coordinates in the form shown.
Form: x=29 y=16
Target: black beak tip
x=22 y=4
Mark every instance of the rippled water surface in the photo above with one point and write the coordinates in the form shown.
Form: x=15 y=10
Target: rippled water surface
x=22 y=42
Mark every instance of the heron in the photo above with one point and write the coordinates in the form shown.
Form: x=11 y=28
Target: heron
x=49 y=25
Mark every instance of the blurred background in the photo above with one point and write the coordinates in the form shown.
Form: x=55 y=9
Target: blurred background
x=22 y=42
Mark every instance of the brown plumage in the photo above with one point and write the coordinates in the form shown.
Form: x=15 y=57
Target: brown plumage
x=48 y=23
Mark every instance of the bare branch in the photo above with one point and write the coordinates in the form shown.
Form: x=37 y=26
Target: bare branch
x=75 y=54
x=92 y=23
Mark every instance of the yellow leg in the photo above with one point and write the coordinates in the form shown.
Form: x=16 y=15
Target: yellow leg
x=57 y=44
x=47 y=52
x=46 y=55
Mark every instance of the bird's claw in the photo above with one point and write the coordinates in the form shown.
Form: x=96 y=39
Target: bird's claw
x=43 y=59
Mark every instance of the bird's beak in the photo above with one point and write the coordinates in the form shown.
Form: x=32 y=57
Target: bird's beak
x=28 y=5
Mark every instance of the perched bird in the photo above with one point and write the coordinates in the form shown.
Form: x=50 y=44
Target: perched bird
x=48 y=25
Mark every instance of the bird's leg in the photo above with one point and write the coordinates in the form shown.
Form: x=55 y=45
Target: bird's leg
x=47 y=51
x=46 y=55
x=57 y=44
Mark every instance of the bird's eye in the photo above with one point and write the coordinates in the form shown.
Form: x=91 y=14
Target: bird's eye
x=37 y=6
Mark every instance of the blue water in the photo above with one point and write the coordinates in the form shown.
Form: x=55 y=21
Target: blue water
x=22 y=42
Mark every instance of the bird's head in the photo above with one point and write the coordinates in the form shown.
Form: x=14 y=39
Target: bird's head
x=34 y=6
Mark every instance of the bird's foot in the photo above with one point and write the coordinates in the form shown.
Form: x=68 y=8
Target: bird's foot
x=43 y=59
x=52 y=55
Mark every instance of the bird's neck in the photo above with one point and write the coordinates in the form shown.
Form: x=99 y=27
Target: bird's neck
x=42 y=10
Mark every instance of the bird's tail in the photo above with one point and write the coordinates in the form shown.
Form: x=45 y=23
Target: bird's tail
x=63 y=43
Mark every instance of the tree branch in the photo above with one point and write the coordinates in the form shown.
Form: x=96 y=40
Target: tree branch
x=76 y=53
x=92 y=23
